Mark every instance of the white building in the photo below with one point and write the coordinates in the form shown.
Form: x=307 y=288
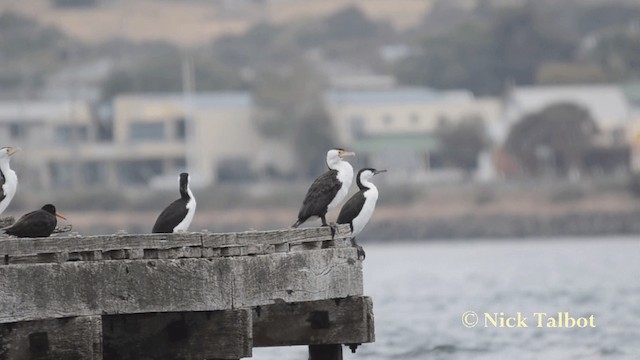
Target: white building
x=396 y=125
x=607 y=105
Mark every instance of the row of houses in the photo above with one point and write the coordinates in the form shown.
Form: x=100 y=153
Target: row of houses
x=146 y=139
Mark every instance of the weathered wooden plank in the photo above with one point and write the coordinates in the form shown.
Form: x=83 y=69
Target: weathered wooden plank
x=55 y=339
x=187 y=335
x=41 y=291
x=112 y=244
x=274 y=237
x=7 y=221
x=333 y=321
x=297 y=276
x=20 y=247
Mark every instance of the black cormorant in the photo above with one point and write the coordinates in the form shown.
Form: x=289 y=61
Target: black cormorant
x=357 y=211
x=328 y=190
x=179 y=214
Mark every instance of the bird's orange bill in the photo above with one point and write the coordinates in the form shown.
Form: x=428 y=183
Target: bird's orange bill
x=60 y=216
x=348 y=153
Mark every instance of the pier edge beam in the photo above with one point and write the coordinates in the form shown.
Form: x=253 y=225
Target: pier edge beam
x=325 y=352
x=222 y=334
x=63 y=338
x=333 y=321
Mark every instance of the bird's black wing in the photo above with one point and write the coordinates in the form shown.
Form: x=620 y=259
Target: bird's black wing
x=351 y=208
x=320 y=195
x=2 y=181
x=170 y=217
x=37 y=223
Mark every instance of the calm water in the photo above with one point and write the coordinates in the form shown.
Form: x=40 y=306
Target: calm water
x=420 y=292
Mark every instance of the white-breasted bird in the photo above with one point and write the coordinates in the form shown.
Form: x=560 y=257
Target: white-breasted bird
x=329 y=189
x=357 y=211
x=8 y=177
x=179 y=214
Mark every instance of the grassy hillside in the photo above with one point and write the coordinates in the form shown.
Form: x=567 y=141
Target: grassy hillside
x=191 y=22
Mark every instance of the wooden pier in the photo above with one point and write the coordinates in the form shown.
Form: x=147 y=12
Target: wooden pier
x=181 y=296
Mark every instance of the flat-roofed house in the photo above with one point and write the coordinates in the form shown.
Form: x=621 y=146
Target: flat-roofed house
x=397 y=125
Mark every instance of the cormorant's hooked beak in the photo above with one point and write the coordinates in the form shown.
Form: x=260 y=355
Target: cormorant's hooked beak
x=376 y=172
x=347 y=153
x=60 y=216
x=12 y=150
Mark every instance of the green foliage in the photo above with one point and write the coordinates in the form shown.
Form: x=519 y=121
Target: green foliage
x=619 y=53
x=291 y=109
x=313 y=139
x=23 y=38
x=284 y=97
x=496 y=45
x=349 y=23
x=554 y=139
x=73 y=3
x=266 y=46
x=462 y=143
x=159 y=69
x=634 y=185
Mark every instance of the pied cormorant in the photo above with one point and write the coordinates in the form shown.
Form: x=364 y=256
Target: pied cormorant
x=328 y=190
x=39 y=223
x=179 y=214
x=8 y=178
x=358 y=209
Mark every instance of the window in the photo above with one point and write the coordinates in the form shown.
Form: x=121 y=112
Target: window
x=181 y=128
x=61 y=174
x=17 y=130
x=179 y=163
x=68 y=133
x=94 y=173
x=234 y=170
x=146 y=131
x=139 y=172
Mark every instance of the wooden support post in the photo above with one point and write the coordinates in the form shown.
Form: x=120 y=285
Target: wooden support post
x=59 y=339
x=333 y=321
x=325 y=352
x=223 y=334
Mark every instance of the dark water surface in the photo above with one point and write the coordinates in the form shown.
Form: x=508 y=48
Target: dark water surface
x=421 y=291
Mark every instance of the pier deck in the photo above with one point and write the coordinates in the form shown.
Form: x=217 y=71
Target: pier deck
x=189 y=296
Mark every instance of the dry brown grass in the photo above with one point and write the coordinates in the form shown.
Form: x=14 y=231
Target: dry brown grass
x=196 y=23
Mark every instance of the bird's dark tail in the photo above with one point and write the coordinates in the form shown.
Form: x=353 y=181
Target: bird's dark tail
x=298 y=223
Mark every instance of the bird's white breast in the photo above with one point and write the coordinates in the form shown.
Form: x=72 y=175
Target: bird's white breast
x=345 y=176
x=9 y=188
x=370 y=199
x=186 y=222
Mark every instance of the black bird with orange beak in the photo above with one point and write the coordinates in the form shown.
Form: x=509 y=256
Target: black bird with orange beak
x=39 y=223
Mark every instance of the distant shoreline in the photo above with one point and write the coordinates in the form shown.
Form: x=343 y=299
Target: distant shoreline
x=386 y=228
x=509 y=226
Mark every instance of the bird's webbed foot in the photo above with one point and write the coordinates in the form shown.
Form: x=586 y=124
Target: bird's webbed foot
x=332 y=226
x=360 y=250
